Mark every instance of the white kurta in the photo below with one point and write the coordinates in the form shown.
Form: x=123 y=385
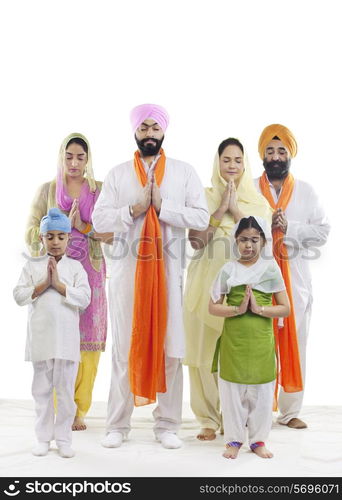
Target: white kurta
x=53 y=320
x=183 y=206
x=307 y=229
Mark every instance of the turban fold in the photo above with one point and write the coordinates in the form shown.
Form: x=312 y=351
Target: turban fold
x=55 y=220
x=284 y=134
x=153 y=111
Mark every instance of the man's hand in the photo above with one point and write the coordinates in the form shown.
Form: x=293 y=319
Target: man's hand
x=156 y=198
x=145 y=200
x=279 y=220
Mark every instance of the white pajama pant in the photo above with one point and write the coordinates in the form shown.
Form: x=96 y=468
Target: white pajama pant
x=290 y=403
x=243 y=405
x=168 y=412
x=58 y=374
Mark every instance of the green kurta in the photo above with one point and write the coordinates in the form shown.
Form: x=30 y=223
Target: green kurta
x=245 y=350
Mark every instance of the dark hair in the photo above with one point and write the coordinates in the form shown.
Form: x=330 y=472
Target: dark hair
x=81 y=142
x=276 y=138
x=231 y=141
x=247 y=223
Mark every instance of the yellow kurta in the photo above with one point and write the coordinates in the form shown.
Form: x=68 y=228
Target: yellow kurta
x=203 y=329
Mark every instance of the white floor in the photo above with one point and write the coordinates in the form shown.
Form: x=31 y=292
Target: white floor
x=316 y=451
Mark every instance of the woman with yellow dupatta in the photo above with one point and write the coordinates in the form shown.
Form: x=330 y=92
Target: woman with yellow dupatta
x=75 y=191
x=231 y=197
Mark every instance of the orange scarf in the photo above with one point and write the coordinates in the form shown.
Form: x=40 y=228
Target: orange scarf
x=289 y=375
x=146 y=357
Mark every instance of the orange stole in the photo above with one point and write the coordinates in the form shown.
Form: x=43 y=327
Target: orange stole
x=146 y=356
x=289 y=375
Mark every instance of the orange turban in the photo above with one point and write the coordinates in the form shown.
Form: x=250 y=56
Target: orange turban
x=284 y=134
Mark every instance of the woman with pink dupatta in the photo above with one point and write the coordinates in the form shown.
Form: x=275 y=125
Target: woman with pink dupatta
x=75 y=192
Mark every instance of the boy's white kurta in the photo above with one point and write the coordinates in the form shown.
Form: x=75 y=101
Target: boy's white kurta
x=53 y=320
x=183 y=206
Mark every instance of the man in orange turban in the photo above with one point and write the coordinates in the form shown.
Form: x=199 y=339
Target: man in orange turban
x=298 y=224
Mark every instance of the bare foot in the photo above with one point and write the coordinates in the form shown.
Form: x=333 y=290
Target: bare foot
x=263 y=452
x=206 y=434
x=231 y=451
x=78 y=424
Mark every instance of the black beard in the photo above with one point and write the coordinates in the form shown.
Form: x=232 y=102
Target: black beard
x=149 y=149
x=277 y=169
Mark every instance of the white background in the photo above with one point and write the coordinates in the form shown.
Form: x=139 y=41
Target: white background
x=221 y=68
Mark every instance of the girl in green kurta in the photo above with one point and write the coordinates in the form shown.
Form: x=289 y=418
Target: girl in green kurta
x=245 y=352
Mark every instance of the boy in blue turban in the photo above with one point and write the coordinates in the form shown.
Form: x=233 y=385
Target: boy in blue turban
x=56 y=288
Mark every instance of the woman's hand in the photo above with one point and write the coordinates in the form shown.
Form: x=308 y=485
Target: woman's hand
x=233 y=206
x=244 y=304
x=75 y=216
x=225 y=199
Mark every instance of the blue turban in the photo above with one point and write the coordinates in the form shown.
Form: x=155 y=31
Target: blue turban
x=55 y=220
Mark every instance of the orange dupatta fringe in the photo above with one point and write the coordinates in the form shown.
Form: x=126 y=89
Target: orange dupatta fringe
x=289 y=374
x=146 y=357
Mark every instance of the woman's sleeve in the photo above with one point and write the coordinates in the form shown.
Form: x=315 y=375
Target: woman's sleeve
x=219 y=287
x=37 y=211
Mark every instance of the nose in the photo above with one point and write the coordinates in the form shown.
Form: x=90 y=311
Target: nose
x=149 y=132
x=275 y=156
x=74 y=162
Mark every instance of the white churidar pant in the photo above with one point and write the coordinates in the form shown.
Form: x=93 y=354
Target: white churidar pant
x=290 y=403
x=61 y=375
x=167 y=414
